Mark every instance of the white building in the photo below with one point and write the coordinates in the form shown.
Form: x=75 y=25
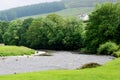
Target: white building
x=84 y=17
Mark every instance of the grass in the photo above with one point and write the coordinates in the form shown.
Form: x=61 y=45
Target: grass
x=110 y=71
x=66 y=12
x=15 y=50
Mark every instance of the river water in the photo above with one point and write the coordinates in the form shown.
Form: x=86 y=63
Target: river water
x=59 y=60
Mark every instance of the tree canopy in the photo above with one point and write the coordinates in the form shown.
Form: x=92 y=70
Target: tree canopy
x=55 y=32
x=103 y=26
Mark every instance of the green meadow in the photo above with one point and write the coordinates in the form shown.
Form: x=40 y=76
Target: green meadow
x=15 y=50
x=70 y=12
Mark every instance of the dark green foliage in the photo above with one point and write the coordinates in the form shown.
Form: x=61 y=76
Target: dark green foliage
x=31 y=10
x=107 y=48
x=55 y=32
x=55 y=35
x=73 y=34
x=52 y=32
x=103 y=26
x=36 y=34
x=15 y=34
x=3 y=27
x=23 y=31
x=12 y=34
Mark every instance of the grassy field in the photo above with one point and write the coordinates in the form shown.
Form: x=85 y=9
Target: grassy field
x=15 y=50
x=66 y=12
x=110 y=71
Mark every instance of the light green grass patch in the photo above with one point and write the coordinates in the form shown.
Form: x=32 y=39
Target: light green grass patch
x=15 y=50
x=74 y=12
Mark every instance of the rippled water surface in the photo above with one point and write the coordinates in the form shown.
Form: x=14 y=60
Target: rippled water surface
x=59 y=60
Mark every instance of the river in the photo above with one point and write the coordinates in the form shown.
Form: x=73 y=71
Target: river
x=59 y=60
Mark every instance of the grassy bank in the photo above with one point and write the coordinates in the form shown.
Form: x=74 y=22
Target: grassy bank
x=74 y=12
x=109 y=71
x=15 y=50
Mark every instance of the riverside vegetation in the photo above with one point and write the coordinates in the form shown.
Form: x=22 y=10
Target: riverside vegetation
x=99 y=35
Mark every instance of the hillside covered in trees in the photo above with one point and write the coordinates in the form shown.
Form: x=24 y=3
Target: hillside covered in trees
x=99 y=35
x=44 y=8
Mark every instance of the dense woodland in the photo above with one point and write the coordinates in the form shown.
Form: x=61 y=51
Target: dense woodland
x=100 y=34
x=43 y=8
x=52 y=32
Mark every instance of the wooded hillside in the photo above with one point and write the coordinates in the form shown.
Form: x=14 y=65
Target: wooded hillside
x=44 y=8
x=14 y=13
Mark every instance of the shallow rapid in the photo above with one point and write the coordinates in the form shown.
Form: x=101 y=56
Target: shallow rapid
x=59 y=60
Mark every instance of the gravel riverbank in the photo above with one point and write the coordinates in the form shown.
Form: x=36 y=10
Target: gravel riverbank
x=59 y=60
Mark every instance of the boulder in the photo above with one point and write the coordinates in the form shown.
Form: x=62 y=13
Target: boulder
x=41 y=53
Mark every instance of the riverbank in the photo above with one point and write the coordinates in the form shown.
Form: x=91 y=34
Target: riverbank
x=109 y=71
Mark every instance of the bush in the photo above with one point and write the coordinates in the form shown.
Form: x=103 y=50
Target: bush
x=15 y=51
x=116 y=54
x=103 y=25
x=89 y=65
x=84 y=50
x=107 y=48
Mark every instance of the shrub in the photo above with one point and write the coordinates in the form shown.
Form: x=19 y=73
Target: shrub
x=84 y=50
x=89 y=65
x=116 y=54
x=107 y=48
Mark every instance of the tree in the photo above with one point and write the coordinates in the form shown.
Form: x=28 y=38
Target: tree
x=23 y=31
x=55 y=24
x=3 y=27
x=103 y=26
x=55 y=32
x=12 y=34
x=73 y=34
x=36 y=34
